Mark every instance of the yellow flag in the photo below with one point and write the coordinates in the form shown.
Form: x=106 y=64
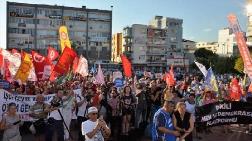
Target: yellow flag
x=64 y=39
x=24 y=69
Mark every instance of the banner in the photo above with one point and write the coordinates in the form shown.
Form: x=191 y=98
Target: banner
x=24 y=69
x=222 y=113
x=117 y=74
x=64 y=39
x=65 y=61
x=23 y=102
x=4 y=84
x=241 y=43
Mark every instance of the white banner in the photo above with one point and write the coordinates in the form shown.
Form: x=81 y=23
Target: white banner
x=23 y=103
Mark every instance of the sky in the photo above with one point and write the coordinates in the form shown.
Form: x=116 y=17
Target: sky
x=201 y=18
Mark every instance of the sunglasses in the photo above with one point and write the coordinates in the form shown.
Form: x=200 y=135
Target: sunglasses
x=94 y=113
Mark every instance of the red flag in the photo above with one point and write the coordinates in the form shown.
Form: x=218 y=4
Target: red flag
x=235 y=90
x=1 y=59
x=126 y=66
x=39 y=63
x=7 y=74
x=53 y=75
x=169 y=77
x=75 y=64
x=52 y=53
x=65 y=61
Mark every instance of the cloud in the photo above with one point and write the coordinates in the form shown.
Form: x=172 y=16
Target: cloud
x=207 y=29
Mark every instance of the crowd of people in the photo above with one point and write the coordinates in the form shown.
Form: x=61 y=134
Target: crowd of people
x=147 y=106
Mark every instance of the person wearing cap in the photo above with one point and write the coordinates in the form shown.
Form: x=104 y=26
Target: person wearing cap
x=94 y=129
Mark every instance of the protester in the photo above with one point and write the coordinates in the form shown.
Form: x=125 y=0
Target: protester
x=141 y=106
x=94 y=129
x=183 y=122
x=81 y=112
x=68 y=108
x=39 y=112
x=163 y=128
x=115 y=121
x=55 y=119
x=127 y=106
x=10 y=124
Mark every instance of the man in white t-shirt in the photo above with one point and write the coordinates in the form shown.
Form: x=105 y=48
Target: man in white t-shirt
x=94 y=129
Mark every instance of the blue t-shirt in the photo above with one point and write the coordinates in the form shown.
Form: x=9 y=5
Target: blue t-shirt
x=162 y=119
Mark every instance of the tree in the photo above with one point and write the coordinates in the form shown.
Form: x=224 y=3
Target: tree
x=239 y=65
x=205 y=57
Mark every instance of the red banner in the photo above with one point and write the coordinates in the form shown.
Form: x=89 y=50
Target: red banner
x=65 y=61
x=126 y=66
x=242 y=46
x=52 y=53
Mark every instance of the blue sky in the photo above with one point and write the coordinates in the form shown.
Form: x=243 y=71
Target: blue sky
x=202 y=18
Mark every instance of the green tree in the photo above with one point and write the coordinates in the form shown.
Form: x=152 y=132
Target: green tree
x=239 y=65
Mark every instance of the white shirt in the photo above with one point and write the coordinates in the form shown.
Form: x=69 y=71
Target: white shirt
x=190 y=108
x=89 y=126
x=82 y=108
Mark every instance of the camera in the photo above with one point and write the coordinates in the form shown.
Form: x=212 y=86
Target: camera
x=56 y=102
x=89 y=97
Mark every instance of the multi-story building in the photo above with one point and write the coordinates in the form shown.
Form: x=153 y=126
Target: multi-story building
x=249 y=24
x=149 y=46
x=227 y=43
x=116 y=47
x=35 y=27
x=213 y=46
x=189 y=48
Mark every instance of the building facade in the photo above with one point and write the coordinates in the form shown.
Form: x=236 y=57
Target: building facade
x=189 y=48
x=227 y=43
x=149 y=46
x=35 y=27
x=117 y=48
x=213 y=46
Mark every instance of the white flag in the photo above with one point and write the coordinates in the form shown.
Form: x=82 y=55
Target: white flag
x=82 y=67
x=32 y=76
x=202 y=68
x=99 y=78
x=14 y=61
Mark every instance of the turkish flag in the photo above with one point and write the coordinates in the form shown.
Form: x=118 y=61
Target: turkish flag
x=65 y=61
x=52 y=53
x=126 y=66
x=40 y=62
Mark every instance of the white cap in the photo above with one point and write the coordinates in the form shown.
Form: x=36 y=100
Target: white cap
x=92 y=110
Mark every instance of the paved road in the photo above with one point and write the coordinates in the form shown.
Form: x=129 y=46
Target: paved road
x=238 y=134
